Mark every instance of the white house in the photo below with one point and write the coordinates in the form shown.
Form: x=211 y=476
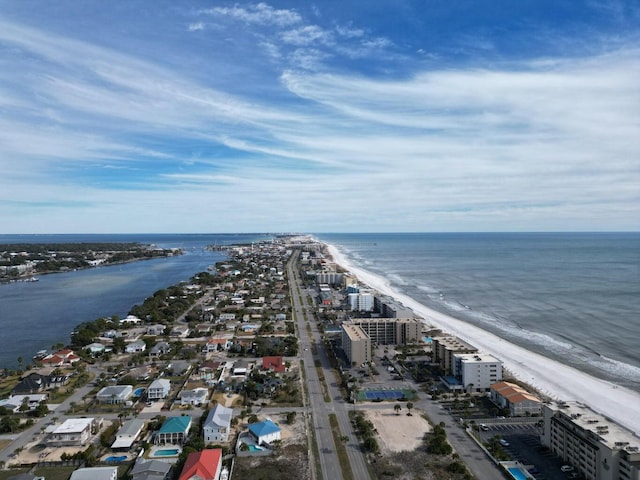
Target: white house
x=158 y=389
x=217 y=426
x=135 y=347
x=128 y=433
x=115 y=394
x=265 y=432
x=95 y=473
x=197 y=396
x=73 y=432
x=15 y=402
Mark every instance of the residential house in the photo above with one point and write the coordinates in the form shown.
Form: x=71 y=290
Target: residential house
x=265 y=432
x=95 y=348
x=204 y=465
x=217 y=426
x=36 y=383
x=60 y=358
x=179 y=367
x=216 y=343
x=135 y=347
x=95 y=473
x=274 y=364
x=150 y=470
x=130 y=320
x=181 y=331
x=15 y=402
x=160 y=348
x=174 y=430
x=158 y=389
x=156 y=329
x=73 y=432
x=127 y=434
x=115 y=394
x=197 y=396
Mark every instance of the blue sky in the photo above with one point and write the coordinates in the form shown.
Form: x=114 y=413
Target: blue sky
x=211 y=116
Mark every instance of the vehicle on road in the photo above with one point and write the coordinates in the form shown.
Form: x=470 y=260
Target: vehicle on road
x=566 y=468
x=504 y=443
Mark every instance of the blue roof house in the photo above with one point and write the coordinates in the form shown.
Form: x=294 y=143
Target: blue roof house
x=174 y=430
x=265 y=432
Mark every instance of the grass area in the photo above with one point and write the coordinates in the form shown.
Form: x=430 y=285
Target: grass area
x=5 y=474
x=55 y=473
x=345 y=465
x=323 y=384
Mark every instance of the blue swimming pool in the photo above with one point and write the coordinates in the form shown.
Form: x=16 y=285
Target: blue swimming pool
x=166 y=452
x=113 y=459
x=138 y=392
x=255 y=448
x=517 y=473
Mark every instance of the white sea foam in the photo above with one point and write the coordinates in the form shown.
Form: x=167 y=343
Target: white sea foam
x=552 y=378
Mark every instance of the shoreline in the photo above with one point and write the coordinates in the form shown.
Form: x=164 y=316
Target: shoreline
x=550 y=377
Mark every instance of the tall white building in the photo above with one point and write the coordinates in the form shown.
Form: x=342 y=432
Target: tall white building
x=593 y=445
x=477 y=372
x=361 y=302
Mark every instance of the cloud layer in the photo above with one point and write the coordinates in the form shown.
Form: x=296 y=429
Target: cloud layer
x=304 y=122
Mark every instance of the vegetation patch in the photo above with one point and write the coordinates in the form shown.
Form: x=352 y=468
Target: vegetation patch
x=345 y=465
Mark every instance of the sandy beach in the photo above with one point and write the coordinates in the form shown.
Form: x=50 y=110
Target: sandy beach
x=550 y=377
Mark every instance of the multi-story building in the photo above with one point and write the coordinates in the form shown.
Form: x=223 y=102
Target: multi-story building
x=361 y=302
x=444 y=348
x=217 y=426
x=390 y=331
x=477 y=372
x=518 y=400
x=73 y=432
x=328 y=277
x=593 y=445
x=356 y=344
x=390 y=308
x=158 y=389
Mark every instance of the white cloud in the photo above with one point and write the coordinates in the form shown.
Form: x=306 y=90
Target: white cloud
x=194 y=27
x=261 y=14
x=307 y=35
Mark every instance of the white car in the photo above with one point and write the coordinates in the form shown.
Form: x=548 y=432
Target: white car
x=504 y=443
x=566 y=468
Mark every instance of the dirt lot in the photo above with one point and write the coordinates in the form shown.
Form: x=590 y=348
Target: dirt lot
x=398 y=433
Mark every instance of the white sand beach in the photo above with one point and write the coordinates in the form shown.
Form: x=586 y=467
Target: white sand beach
x=550 y=377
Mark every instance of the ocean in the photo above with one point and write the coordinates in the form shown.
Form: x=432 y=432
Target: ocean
x=35 y=316
x=573 y=297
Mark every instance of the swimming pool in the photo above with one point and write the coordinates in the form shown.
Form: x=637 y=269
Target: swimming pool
x=255 y=448
x=138 y=392
x=517 y=473
x=166 y=452
x=113 y=459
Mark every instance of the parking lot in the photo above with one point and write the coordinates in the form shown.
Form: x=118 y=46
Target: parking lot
x=524 y=446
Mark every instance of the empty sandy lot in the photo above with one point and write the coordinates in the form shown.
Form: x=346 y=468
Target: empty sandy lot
x=398 y=433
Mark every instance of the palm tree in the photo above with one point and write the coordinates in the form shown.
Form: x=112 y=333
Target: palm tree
x=409 y=407
x=397 y=407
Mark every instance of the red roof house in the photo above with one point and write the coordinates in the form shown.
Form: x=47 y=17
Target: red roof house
x=204 y=465
x=273 y=363
x=60 y=358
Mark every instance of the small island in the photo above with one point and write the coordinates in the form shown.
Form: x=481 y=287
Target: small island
x=21 y=262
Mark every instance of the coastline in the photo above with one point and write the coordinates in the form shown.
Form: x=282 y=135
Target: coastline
x=550 y=377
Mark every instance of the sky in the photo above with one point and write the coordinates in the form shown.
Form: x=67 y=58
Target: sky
x=326 y=116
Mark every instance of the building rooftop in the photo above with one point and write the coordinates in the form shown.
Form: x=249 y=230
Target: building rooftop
x=354 y=332
x=604 y=430
x=73 y=425
x=264 y=428
x=477 y=357
x=175 y=424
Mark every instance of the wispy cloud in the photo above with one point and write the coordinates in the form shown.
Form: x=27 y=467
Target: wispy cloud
x=311 y=142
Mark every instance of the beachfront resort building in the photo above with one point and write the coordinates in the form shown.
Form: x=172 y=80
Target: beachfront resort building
x=477 y=372
x=390 y=331
x=593 y=445
x=445 y=347
x=361 y=301
x=516 y=399
x=388 y=307
x=356 y=344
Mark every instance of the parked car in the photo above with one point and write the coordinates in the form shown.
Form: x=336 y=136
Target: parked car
x=566 y=468
x=504 y=443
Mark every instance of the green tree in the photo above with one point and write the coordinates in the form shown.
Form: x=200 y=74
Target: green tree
x=397 y=407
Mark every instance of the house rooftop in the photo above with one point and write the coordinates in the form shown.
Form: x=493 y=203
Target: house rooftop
x=264 y=428
x=175 y=424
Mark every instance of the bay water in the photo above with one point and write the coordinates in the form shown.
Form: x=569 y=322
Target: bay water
x=35 y=316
